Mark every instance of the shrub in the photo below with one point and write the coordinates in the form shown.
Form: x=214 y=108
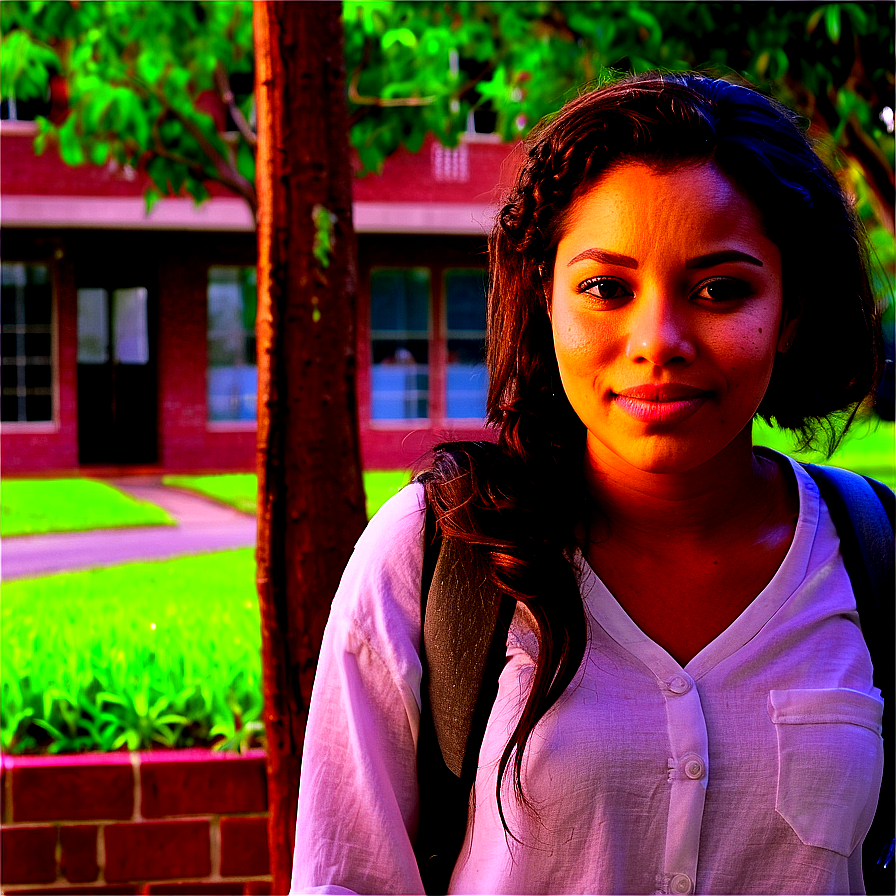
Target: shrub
x=133 y=657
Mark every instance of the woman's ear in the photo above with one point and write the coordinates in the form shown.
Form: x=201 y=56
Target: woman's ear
x=790 y=322
x=546 y=289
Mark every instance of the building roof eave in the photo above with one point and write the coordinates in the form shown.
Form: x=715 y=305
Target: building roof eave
x=223 y=214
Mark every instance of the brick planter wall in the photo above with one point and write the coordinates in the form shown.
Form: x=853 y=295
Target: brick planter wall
x=185 y=821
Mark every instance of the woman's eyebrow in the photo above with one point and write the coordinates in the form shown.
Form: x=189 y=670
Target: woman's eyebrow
x=604 y=256
x=714 y=258
x=701 y=261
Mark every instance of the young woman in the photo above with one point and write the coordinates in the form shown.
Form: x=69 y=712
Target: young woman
x=687 y=701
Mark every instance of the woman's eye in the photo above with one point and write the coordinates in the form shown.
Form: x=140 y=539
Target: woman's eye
x=605 y=288
x=723 y=290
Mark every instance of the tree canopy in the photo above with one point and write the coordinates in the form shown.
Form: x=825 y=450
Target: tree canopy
x=137 y=73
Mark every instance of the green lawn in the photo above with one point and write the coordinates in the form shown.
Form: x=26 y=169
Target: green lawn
x=132 y=655
x=869 y=448
x=31 y=506
x=239 y=489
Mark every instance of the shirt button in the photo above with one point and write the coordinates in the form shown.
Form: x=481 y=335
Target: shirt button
x=678 y=684
x=694 y=767
x=681 y=883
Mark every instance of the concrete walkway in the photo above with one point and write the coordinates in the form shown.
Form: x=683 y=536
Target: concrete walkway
x=202 y=526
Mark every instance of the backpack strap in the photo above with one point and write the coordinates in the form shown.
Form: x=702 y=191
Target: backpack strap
x=458 y=687
x=862 y=511
x=465 y=620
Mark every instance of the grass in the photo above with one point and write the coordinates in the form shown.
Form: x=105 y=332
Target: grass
x=236 y=489
x=38 y=506
x=33 y=506
x=132 y=656
x=240 y=489
x=869 y=448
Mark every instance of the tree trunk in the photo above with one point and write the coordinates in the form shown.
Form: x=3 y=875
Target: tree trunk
x=310 y=492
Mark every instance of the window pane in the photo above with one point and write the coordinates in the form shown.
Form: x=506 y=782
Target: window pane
x=399 y=301
x=38 y=407
x=465 y=317
x=232 y=370
x=38 y=346
x=131 y=331
x=26 y=343
x=465 y=295
x=38 y=378
x=232 y=393
x=399 y=314
x=93 y=327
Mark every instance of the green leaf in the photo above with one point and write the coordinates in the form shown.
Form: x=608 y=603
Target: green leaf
x=814 y=19
x=71 y=149
x=26 y=65
x=648 y=21
x=832 y=22
x=403 y=36
x=45 y=131
x=324 y=222
x=245 y=161
x=99 y=153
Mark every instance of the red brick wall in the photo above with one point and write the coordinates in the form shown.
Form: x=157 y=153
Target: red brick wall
x=185 y=821
x=406 y=176
x=185 y=440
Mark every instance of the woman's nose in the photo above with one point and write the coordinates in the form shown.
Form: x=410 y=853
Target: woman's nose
x=660 y=333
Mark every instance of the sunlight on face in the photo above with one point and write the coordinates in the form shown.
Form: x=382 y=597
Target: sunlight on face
x=666 y=312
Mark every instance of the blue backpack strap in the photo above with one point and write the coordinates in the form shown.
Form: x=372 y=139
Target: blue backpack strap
x=862 y=511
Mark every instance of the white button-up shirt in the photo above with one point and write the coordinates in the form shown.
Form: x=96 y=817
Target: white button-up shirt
x=755 y=768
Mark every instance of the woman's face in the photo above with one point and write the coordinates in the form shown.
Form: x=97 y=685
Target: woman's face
x=666 y=312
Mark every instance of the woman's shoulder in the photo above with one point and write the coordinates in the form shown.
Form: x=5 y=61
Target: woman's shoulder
x=396 y=526
x=378 y=600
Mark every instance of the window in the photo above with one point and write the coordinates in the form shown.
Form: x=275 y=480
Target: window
x=26 y=333
x=232 y=365
x=129 y=334
x=466 y=378
x=427 y=339
x=399 y=335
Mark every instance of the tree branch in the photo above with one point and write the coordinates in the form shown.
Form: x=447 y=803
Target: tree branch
x=383 y=102
x=224 y=171
x=223 y=83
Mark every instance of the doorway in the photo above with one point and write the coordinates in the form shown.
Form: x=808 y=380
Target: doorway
x=116 y=375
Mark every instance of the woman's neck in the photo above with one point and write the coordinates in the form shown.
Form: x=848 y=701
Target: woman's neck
x=729 y=495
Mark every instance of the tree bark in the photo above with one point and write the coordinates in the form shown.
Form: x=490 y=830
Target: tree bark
x=310 y=492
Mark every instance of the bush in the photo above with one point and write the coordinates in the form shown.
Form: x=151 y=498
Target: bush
x=132 y=657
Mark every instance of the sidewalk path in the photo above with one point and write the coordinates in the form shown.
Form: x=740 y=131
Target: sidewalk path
x=202 y=526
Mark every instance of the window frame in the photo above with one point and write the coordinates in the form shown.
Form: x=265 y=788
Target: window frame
x=237 y=425
x=438 y=338
x=51 y=426
x=402 y=422
x=446 y=337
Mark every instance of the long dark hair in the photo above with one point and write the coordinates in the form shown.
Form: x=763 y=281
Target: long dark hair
x=521 y=499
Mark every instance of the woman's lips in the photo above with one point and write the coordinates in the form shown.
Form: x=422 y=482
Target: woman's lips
x=660 y=403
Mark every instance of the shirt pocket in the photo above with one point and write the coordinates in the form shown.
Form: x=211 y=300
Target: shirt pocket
x=830 y=762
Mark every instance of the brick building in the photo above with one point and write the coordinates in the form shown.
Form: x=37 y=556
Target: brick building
x=127 y=338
